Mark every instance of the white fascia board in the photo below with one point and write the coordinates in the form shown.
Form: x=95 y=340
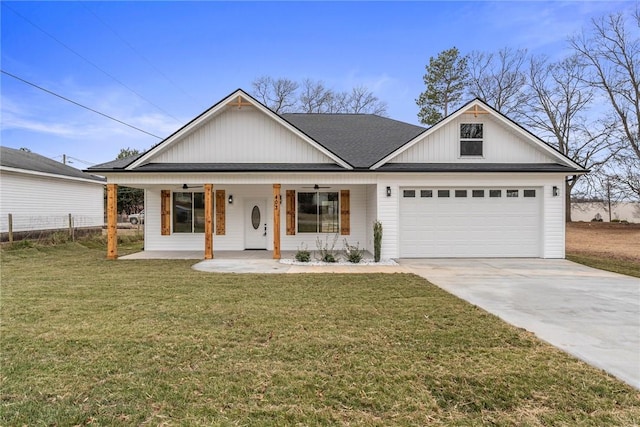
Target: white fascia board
x=49 y=175
x=217 y=108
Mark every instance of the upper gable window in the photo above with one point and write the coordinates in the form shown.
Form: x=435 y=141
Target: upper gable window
x=471 y=135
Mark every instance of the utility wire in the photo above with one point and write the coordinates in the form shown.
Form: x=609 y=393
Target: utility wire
x=136 y=51
x=77 y=103
x=89 y=62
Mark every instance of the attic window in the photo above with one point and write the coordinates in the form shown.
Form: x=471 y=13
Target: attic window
x=471 y=135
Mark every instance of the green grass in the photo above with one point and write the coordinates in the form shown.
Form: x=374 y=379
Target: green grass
x=91 y=341
x=602 y=262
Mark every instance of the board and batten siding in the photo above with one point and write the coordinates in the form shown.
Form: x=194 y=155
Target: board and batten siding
x=44 y=202
x=500 y=145
x=552 y=227
x=241 y=136
x=235 y=215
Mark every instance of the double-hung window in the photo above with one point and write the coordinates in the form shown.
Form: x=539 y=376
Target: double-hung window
x=318 y=212
x=471 y=135
x=188 y=212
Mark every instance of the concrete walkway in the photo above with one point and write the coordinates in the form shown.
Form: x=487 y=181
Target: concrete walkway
x=268 y=266
x=589 y=313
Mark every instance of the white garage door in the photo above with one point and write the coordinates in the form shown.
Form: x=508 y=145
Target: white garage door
x=470 y=222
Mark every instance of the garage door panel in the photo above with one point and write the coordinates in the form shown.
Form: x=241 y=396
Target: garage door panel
x=470 y=227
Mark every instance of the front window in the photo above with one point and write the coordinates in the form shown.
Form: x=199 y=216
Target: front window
x=318 y=212
x=471 y=135
x=188 y=212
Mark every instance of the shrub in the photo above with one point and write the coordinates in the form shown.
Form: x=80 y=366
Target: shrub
x=353 y=252
x=303 y=255
x=326 y=252
x=377 y=240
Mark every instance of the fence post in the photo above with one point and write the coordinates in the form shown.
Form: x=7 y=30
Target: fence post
x=10 y=229
x=71 y=228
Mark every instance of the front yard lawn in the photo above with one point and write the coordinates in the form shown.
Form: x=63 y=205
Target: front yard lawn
x=89 y=341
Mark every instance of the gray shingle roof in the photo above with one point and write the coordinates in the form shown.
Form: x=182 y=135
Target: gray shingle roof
x=359 y=139
x=18 y=159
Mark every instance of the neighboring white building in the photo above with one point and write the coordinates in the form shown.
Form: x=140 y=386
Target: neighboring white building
x=622 y=211
x=476 y=184
x=40 y=193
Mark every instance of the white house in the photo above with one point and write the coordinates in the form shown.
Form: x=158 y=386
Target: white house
x=240 y=177
x=40 y=193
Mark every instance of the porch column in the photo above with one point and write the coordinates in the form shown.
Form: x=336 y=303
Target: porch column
x=208 y=221
x=112 y=221
x=276 y=221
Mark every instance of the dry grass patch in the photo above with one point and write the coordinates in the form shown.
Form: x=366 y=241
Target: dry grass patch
x=85 y=340
x=607 y=246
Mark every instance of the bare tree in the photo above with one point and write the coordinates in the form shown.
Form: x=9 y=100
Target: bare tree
x=277 y=94
x=558 y=110
x=499 y=79
x=362 y=101
x=314 y=97
x=611 y=53
x=285 y=96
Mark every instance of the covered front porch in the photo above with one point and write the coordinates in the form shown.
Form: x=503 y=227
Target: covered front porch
x=248 y=220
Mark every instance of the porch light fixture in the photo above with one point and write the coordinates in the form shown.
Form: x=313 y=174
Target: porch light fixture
x=230 y=199
x=556 y=192
x=388 y=191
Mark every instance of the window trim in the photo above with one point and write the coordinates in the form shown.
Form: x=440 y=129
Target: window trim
x=337 y=213
x=193 y=209
x=480 y=140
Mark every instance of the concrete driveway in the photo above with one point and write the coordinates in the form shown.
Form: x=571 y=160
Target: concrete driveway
x=592 y=314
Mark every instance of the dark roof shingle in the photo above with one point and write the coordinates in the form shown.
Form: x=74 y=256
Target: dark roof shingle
x=359 y=139
x=18 y=159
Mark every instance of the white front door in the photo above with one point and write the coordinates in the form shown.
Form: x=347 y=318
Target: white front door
x=255 y=220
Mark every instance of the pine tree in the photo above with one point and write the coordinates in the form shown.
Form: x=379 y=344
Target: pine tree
x=445 y=80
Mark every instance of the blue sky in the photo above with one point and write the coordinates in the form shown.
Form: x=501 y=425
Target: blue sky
x=156 y=65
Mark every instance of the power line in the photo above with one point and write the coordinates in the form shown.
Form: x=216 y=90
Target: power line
x=136 y=51
x=77 y=103
x=89 y=62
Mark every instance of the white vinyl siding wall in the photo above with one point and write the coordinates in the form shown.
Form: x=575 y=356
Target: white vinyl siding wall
x=44 y=203
x=500 y=145
x=241 y=136
x=235 y=221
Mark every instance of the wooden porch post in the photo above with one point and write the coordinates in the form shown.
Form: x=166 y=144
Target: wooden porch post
x=112 y=221
x=208 y=221
x=276 y=221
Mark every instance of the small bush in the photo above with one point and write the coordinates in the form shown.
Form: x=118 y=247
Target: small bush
x=303 y=255
x=326 y=251
x=353 y=252
x=615 y=220
x=329 y=258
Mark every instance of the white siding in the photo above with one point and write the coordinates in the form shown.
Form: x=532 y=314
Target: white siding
x=388 y=211
x=44 y=203
x=241 y=136
x=235 y=221
x=372 y=214
x=553 y=225
x=500 y=145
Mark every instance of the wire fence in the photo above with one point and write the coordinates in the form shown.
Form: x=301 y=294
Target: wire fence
x=37 y=227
